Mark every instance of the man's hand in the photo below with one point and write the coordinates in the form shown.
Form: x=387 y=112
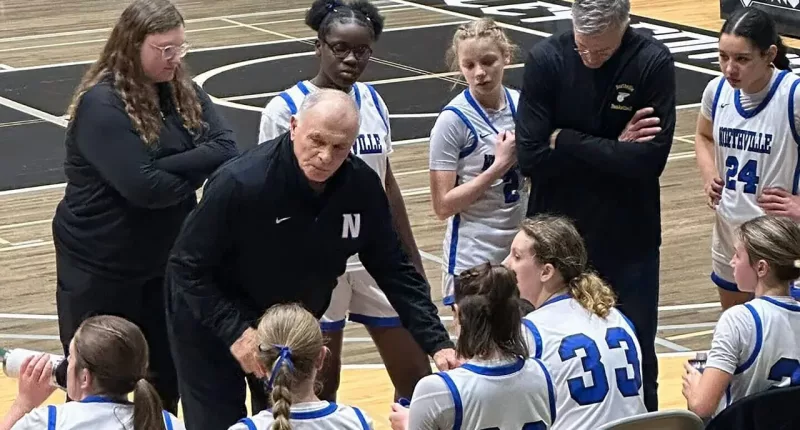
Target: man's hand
x=399 y=417
x=446 y=359
x=713 y=190
x=779 y=202
x=639 y=128
x=245 y=351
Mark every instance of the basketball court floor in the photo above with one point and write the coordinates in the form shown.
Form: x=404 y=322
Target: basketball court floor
x=243 y=53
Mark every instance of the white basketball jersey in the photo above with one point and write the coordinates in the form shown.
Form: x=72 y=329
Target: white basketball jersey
x=484 y=231
x=775 y=357
x=311 y=416
x=373 y=144
x=90 y=413
x=755 y=149
x=516 y=396
x=595 y=362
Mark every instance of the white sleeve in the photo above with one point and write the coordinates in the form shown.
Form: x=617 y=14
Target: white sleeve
x=432 y=406
x=275 y=118
x=448 y=137
x=177 y=424
x=385 y=114
x=33 y=420
x=708 y=97
x=797 y=110
x=733 y=341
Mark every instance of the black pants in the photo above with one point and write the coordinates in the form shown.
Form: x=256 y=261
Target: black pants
x=212 y=383
x=80 y=295
x=636 y=283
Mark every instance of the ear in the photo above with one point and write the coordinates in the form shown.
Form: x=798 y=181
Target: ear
x=292 y=127
x=762 y=268
x=548 y=272
x=317 y=48
x=320 y=361
x=86 y=381
x=771 y=53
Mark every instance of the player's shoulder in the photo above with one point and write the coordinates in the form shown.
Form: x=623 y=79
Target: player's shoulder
x=289 y=100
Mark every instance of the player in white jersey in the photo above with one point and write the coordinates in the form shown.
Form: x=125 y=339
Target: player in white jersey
x=107 y=361
x=748 y=132
x=756 y=345
x=291 y=346
x=589 y=346
x=346 y=33
x=475 y=183
x=499 y=386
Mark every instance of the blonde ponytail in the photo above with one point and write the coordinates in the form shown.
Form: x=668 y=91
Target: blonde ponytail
x=592 y=293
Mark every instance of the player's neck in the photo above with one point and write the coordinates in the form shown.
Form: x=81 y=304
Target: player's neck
x=547 y=294
x=771 y=288
x=760 y=84
x=322 y=81
x=495 y=100
x=304 y=392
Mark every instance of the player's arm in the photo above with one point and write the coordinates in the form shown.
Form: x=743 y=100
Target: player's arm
x=275 y=118
x=105 y=137
x=204 y=238
x=216 y=146
x=704 y=147
x=641 y=150
x=384 y=259
x=732 y=336
x=449 y=138
x=400 y=219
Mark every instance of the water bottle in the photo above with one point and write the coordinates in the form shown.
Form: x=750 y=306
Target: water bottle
x=13 y=359
x=699 y=362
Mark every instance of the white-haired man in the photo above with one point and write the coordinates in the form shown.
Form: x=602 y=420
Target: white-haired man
x=595 y=123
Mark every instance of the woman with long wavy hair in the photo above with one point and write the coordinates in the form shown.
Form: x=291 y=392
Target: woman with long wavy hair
x=142 y=138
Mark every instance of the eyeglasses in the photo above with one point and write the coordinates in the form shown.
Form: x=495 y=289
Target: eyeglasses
x=342 y=51
x=170 y=51
x=600 y=53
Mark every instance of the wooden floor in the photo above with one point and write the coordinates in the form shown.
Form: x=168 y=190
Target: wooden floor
x=32 y=33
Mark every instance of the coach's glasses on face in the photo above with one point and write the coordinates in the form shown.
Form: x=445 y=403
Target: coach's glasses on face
x=170 y=51
x=342 y=51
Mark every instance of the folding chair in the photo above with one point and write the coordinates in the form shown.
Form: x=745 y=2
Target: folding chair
x=673 y=419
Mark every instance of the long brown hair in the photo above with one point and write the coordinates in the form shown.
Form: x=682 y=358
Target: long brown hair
x=121 y=60
x=290 y=341
x=115 y=353
x=556 y=241
x=488 y=312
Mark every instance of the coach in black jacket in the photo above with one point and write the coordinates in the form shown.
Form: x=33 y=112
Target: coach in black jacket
x=595 y=123
x=277 y=225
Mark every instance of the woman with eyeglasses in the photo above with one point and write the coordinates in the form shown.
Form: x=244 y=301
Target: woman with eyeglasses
x=141 y=139
x=346 y=33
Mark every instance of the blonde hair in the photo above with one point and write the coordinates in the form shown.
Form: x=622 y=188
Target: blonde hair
x=775 y=240
x=556 y=241
x=479 y=28
x=121 y=60
x=289 y=340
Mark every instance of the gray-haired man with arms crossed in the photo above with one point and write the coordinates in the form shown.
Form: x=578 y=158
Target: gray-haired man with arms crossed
x=595 y=124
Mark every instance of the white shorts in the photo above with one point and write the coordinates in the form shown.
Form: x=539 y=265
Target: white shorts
x=722 y=249
x=359 y=294
x=448 y=285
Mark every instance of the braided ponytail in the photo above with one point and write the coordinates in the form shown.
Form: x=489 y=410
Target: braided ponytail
x=281 y=380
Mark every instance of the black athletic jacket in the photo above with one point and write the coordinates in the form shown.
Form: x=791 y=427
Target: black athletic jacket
x=261 y=236
x=609 y=188
x=124 y=201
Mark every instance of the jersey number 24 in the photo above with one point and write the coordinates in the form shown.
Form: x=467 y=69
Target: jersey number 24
x=598 y=388
x=748 y=174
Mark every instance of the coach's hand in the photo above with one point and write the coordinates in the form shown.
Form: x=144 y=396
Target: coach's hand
x=640 y=128
x=713 y=189
x=779 y=202
x=245 y=351
x=446 y=359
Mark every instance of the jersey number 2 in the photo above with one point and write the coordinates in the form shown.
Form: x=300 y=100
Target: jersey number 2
x=786 y=368
x=747 y=175
x=510 y=180
x=538 y=425
x=598 y=390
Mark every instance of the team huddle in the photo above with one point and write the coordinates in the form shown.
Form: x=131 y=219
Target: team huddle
x=542 y=339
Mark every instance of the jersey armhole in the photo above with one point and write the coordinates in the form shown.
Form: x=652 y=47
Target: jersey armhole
x=361 y=418
x=759 y=340
x=716 y=99
x=471 y=147
x=793 y=126
x=377 y=102
x=551 y=392
x=289 y=102
x=458 y=406
x=51 y=417
x=537 y=337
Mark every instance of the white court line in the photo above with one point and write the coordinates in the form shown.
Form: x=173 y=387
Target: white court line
x=431 y=257
x=24 y=224
x=396 y=174
x=25 y=246
x=689 y=106
x=30 y=336
x=687 y=326
x=4 y=242
x=30 y=317
x=689 y=307
x=33 y=112
x=536 y=32
x=671 y=345
x=6 y=67
x=29 y=189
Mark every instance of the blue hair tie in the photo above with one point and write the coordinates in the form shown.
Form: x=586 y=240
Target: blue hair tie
x=284 y=354
x=331 y=6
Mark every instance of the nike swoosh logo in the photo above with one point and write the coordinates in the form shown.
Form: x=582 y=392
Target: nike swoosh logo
x=280 y=220
x=485 y=135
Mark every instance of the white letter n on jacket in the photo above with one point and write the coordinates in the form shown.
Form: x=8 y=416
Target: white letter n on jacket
x=351 y=226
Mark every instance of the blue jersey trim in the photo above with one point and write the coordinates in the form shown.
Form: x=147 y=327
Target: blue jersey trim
x=458 y=405
x=749 y=114
x=759 y=341
x=471 y=147
x=537 y=337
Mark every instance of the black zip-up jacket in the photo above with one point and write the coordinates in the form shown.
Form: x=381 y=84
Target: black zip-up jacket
x=261 y=236
x=608 y=187
x=124 y=202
